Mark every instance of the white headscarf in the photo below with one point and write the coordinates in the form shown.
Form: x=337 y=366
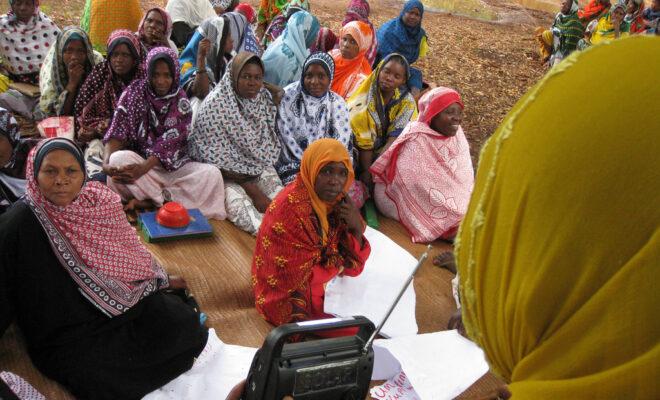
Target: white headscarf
x=192 y=12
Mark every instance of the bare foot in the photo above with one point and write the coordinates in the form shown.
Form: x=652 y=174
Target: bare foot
x=446 y=260
x=456 y=322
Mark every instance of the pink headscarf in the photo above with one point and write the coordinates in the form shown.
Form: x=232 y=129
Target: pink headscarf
x=436 y=101
x=166 y=18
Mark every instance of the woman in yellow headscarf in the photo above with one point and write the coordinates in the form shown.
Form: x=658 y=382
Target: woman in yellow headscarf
x=310 y=233
x=559 y=253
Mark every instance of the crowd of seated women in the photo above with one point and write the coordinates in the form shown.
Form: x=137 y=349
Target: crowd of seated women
x=285 y=142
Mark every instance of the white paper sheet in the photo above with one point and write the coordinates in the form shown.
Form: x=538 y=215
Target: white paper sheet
x=399 y=388
x=372 y=292
x=216 y=371
x=438 y=365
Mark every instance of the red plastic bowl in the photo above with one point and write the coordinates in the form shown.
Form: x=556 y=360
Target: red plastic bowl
x=173 y=215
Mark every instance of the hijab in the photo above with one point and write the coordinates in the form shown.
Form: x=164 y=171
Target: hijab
x=558 y=254
x=234 y=133
x=168 y=29
x=241 y=32
x=191 y=12
x=92 y=239
x=358 y=10
x=9 y=129
x=396 y=37
x=346 y=70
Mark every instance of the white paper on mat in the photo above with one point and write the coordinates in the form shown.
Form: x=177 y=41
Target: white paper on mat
x=372 y=292
x=439 y=365
x=216 y=371
x=398 y=387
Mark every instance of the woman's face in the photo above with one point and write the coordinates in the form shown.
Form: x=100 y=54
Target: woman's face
x=6 y=150
x=24 y=9
x=631 y=7
x=412 y=18
x=161 y=78
x=60 y=177
x=392 y=76
x=617 y=15
x=330 y=181
x=154 y=27
x=74 y=52
x=250 y=81
x=316 y=80
x=121 y=60
x=566 y=6
x=349 y=47
x=229 y=44
x=448 y=121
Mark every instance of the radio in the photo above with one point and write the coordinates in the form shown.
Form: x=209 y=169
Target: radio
x=323 y=369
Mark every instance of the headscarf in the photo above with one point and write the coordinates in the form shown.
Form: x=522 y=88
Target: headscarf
x=242 y=33
x=93 y=240
x=269 y=9
x=153 y=125
x=371 y=120
x=315 y=157
x=248 y=11
x=168 y=29
x=349 y=73
x=191 y=12
x=605 y=29
x=430 y=201
x=98 y=96
x=568 y=30
x=326 y=41
x=284 y=58
x=233 y=133
x=558 y=254
x=225 y=5
x=396 y=37
x=215 y=30
x=277 y=26
x=358 y=10
x=304 y=119
x=9 y=129
x=53 y=76
x=24 y=46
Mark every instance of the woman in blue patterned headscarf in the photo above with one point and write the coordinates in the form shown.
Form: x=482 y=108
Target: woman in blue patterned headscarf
x=405 y=35
x=310 y=111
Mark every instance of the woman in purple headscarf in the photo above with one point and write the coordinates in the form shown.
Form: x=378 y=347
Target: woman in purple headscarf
x=358 y=10
x=146 y=146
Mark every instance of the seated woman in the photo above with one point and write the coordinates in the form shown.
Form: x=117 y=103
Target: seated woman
x=13 y=155
x=69 y=61
x=268 y=10
x=358 y=10
x=101 y=91
x=155 y=30
x=236 y=132
x=652 y=17
x=146 y=154
x=27 y=26
x=379 y=110
x=562 y=38
x=284 y=58
x=242 y=33
x=205 y=58
x=186 y=16
x=247 y=11
x=351 y=64
x=310 y=111
x=545 y=278
x=585 y=42
x=424 y=180
x=277 y=26
x=611 y=25
x=325 y=42
x=102 y=17
x=311 y=233
x=635 y=16
x=594 y=10
x=404 y=35
x=84 y=291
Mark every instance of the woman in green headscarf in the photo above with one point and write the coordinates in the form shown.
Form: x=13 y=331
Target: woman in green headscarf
x=559 y=253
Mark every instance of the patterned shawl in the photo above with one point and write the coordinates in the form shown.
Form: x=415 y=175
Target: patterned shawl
x=215 y=30
x=98 y=96
x=53 y=76
x=605 y=29
x=284 y=58
x=242 y=33
x=593 y=10
x=395 y=37
x=277 y=26
x=269 y=9
x=299 y=232
x=569 y=30
x=236 y=134
x=350 y=73
x=371 y=120
x=93 y=240
x=431 y=201
x=326 y=41
x=358 y=10
x=303 y=119
x=9 y=129
x=636 y=19
x=152 y=125
x=169 y=25
x=24 y=46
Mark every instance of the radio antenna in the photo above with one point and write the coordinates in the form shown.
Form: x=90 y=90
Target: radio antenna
x=396 y=301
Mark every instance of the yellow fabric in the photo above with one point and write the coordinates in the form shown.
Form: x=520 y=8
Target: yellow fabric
x=544 y=38
x=604 y=31
x=559 y=253
x=315 y=157
x=424 y=47
x=109 y=15
x=4 y=83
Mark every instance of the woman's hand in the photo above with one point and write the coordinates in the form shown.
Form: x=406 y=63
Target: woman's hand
x=351 y=215
x=203 y=49
x=367 y=179
x=75 y=72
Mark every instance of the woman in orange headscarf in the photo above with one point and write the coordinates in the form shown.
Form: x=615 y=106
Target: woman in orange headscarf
x=310 y=233
x=351 y=64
